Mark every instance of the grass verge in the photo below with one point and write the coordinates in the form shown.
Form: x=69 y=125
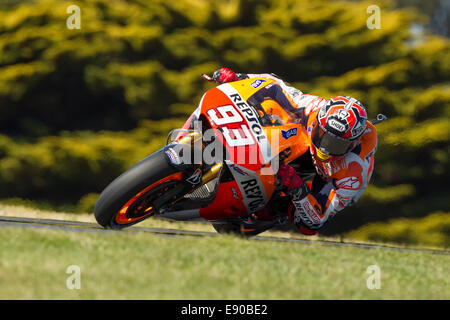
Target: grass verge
x=119 y=265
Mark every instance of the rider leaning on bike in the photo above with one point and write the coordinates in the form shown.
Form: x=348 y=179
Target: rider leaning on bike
x=342 y=148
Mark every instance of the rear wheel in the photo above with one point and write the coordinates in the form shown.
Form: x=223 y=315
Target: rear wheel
x=241 y=228
x=129 y=198
x=227 y=227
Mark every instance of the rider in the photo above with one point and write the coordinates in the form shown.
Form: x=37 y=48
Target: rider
x=342 y=149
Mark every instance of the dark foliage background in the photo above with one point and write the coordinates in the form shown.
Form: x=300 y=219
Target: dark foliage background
x=80 y=106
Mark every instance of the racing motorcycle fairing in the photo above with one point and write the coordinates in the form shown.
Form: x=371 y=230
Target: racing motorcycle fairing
x=252 y=147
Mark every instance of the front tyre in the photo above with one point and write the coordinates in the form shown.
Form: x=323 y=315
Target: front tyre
x=128 y=199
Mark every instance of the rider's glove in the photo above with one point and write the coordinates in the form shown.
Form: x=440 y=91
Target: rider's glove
x=224 y=75
x=292 y=181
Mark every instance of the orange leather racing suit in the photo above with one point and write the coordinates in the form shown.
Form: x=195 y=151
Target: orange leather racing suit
x=340 y=181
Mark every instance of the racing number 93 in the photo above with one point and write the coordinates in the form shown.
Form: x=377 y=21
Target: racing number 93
x=235 y=130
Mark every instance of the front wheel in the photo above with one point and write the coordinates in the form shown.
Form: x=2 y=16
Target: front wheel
x=129 y=198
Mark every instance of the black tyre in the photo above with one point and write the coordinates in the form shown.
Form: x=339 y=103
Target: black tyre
x=227 y=227
x=127 y=200
x=240 y=229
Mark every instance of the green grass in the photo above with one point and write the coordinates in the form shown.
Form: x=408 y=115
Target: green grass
x=120 y=265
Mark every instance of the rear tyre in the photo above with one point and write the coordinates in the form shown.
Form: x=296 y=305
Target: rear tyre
x=227 y=228
x=240 y=229
x=128 y=199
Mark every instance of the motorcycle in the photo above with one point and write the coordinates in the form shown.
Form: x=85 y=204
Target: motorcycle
x=220 y=166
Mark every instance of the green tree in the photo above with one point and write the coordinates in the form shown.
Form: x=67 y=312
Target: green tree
x=139 y=59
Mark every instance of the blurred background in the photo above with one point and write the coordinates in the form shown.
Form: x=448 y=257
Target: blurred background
x=80 y=106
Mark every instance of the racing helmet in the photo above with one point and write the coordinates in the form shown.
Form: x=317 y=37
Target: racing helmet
x=339 y=124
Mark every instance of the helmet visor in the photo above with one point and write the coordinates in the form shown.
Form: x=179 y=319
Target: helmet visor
x=328 y=143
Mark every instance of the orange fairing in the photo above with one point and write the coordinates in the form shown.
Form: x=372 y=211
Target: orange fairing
x=122 y=216
x=251 y=146
x=237 y=127
x=248 y=142
x=296 y=144
x=227 y=203
x=273 y=108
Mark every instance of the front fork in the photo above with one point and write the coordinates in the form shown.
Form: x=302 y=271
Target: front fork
x=194 y=175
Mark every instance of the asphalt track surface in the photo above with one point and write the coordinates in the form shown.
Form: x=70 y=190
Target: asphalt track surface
x=93 y=227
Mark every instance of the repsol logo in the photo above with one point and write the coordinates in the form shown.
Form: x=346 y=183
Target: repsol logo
x=301 y=216
x=306 y=213
x=250 y=116
x=253 y=194
x=304 y=217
